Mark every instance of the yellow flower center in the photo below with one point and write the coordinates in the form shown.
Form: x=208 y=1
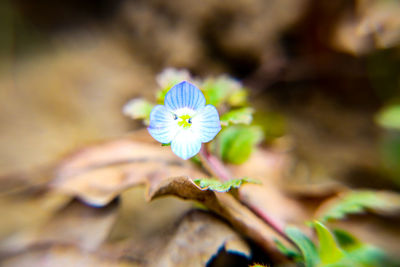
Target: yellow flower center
x=185 y=121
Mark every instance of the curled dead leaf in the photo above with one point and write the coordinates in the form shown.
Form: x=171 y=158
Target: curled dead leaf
x=224 y=205
x=99 y=173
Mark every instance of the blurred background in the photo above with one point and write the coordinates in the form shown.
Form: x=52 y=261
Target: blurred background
x=326 y=69
x=320 y=74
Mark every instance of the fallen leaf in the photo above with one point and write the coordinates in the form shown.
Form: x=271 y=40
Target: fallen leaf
x=23 y=215
x=142 y=227
x=99 y=173
x=62 y=255
x=79 y=225
x=210 y=235
x=224 y=205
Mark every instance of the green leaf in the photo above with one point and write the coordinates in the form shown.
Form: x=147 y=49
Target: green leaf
x=216 y=185
x=218 y=90
x=273 y=124
x=359 y=201
x=328 y=251
x=138 y=108
x=236 y=143
x=288 y=252
x=346 y=241
x=236 y=116
x=389 y=117
x=369 y=256
x=360 y=254
x=306 y=246
x=238 y=98
x=390 y=155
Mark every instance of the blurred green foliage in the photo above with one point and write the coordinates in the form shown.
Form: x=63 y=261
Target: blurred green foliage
x=389 y=117
x=139 y=109
x=236 y=143
x=223 y=90
x=272 y=124
x=237 y=116
x=335 y=249
x=354 y=202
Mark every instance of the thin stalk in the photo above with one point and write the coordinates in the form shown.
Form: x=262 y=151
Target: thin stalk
x=217 y=169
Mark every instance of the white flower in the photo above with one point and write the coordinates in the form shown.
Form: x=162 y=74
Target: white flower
x=185 y=120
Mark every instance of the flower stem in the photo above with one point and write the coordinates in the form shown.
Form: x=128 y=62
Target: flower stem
x=212 y=164
x=216 y=168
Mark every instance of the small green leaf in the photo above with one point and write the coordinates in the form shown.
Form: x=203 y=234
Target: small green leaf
x=390 y=155
x=166 y=144
x=389 y=117
x=359 y=254
x=218 y=90
x=346 y=241
x=238 y=98
x=273 y=124
x=328 y=251
x=369 y=256
x=138 y=108
x=290 y=253
x=306 y=246
x=236 y=143
x=216 y=185
x=359 y=201
x=236 y=116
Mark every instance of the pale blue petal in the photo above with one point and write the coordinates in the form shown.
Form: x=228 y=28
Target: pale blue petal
x=162 y=126
x=186 y=144
x=184 y=95
x=206 y=123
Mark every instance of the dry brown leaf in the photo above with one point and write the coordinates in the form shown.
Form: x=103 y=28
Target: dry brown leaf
x=375 y=25
x=62 y=255
x=224 y=205
x=79 y=225
x=22 y=215
x=198 y=238
x=76 y=223
x=143 y=227
x=99 y=173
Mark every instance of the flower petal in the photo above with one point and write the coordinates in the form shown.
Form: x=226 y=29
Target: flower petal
x=186 y=144
x=184 y=95
x=162 y=126
x=206 y=123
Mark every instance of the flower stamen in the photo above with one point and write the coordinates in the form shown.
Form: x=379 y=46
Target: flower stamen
x=185 y=121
